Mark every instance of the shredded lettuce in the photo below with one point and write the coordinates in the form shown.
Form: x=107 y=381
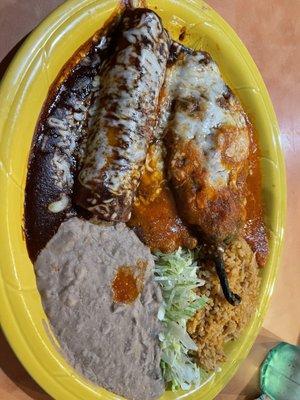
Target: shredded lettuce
x=177 y=275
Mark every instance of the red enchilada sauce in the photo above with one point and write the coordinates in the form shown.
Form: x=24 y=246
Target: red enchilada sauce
x=254 y=229
x=157 y=223
x=125 y=287
x=154 y=215
x=128 y=282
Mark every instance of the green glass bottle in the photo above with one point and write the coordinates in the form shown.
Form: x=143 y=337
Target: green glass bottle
x=280 y=373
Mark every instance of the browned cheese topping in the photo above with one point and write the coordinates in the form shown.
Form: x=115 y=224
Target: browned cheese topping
x=130 y=84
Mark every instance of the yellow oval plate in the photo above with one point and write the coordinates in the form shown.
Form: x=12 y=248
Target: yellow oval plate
x=23 y=91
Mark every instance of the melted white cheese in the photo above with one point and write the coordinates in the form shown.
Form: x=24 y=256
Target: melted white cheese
x=59 y=205
x=67 y=124
x=148 y=28
x=61 y=170
x=195 y=82
x=127 y=99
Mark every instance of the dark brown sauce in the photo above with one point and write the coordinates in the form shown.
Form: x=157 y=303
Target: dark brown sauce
x=40 y=224
x=74 y=83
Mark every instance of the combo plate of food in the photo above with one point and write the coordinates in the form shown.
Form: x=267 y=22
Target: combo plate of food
x=142 y=201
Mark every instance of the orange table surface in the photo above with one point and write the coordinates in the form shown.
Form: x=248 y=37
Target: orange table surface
x=271 y=32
